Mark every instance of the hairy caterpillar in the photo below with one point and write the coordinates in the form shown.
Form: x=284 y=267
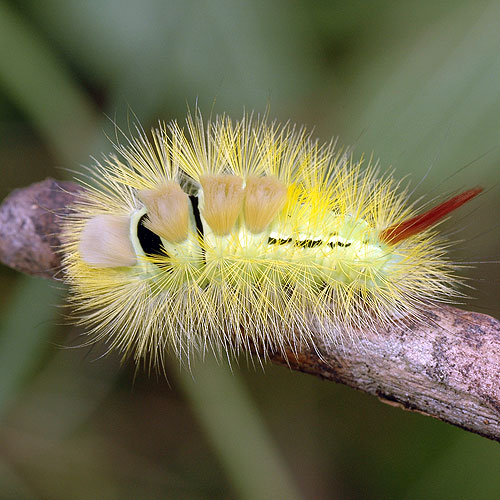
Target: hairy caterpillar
x=232 y=235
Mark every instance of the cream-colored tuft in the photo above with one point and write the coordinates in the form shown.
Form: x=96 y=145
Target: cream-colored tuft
x=223 y=199
x=167 y=211
x=264 y=198
x=105 y=242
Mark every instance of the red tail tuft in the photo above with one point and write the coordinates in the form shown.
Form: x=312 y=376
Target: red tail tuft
x=398 y=232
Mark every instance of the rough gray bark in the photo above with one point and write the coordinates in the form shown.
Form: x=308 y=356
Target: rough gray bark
x=30 y=225
x=448 y=369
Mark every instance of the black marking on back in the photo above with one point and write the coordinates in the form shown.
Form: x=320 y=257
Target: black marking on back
x=197 y=217
x=308 y=243
x=150 y=242
x=334 y=244
x=278 y=241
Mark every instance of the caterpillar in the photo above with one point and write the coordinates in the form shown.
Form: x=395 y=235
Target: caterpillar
x=236 y=235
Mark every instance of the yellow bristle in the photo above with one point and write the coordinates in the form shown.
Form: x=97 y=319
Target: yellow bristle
x=264 y=198
x=222 y=201
x=105 y=242
x=167 y=211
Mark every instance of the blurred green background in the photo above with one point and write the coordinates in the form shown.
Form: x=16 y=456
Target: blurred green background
x=415 y=83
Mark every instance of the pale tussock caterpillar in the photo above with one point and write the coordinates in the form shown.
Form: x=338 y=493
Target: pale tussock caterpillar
x=240 y=235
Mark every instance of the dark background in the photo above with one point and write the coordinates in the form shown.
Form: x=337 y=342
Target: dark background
x=416 y=84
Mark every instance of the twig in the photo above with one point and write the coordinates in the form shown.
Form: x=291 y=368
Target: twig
x=448 y=369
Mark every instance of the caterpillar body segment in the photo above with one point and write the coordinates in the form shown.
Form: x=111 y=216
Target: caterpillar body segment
x=167 y=211
x=239 y=235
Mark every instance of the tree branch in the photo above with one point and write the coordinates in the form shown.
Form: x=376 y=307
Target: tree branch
x=448 y=369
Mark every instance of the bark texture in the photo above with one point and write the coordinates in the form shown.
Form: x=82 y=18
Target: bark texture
x=30 y=226
x=448 y=369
